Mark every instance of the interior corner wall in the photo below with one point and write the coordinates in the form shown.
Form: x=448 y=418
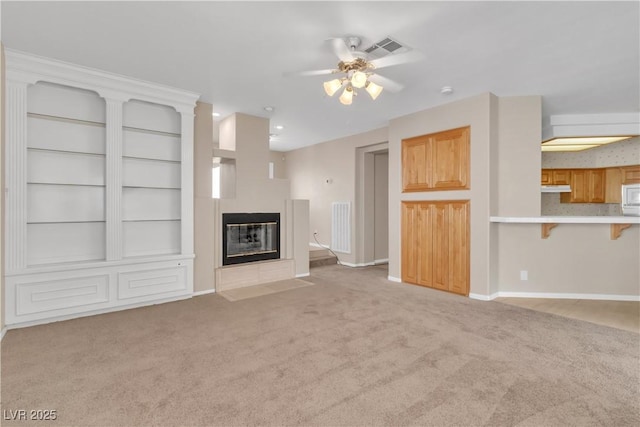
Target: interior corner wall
x=325 y=173
x=476 y=113
x=204 y=276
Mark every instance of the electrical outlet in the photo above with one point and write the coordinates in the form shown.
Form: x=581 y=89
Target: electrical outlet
x=524 y=275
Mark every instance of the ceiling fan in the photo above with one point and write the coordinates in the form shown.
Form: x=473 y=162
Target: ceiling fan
x=358 y=71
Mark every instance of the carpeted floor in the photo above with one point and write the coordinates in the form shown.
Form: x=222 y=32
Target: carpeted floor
x=352 y=350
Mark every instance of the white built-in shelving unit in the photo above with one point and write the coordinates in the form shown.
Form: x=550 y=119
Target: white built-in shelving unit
x=99 y=191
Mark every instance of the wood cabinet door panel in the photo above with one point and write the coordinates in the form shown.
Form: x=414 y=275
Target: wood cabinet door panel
x=561 y=177
x=596 y=179
x=450 y=159
x=458 y=229
x=410 y=242
x=546 y=177
x=579 y=186
x=613 y=182
x=426 y=244
x=415 y=158
x=631 y=174
x=440 y=246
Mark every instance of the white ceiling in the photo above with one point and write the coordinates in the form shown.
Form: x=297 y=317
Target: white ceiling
x=582 y=57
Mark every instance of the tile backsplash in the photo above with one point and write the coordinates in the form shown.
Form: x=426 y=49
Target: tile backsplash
x=551 y=206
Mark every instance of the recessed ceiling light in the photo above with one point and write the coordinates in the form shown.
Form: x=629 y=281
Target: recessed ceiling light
x=279 y=127
x=446 y=90
x=215 y=114
x=269 y=109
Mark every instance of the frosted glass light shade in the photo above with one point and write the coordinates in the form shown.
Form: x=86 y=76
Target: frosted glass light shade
x=359 y=79
x=347 y=96
x=374 y=90
x=332 y=86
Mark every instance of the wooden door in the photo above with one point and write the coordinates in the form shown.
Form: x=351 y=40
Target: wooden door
x=450 y=159
x=415 y=158
x=613 y=185
x=546 y=177
x=410 y=246
x=458 y=248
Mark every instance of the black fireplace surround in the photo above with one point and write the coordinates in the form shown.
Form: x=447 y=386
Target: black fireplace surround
x=249 y=237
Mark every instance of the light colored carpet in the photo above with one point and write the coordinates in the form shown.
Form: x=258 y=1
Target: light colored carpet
x=264 y=289
x=353 y=350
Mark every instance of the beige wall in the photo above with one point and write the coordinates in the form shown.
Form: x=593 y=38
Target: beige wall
x=325 y=173
x=575 y=259
x=203 y=203
x=278 y=160
x=1 y=186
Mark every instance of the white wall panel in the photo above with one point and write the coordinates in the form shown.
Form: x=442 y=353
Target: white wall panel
x=65 y=136
x=150 y=173
x=65 y=242
x=64 y=203
x=144 y=115
x=150 y=204
x=64 y=101
x=36 y=297
x=151 y=146
x=65 y=168
x=151 y=282
x=151 y=238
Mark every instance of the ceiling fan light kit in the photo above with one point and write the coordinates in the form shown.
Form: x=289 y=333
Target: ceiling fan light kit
x=357 y=68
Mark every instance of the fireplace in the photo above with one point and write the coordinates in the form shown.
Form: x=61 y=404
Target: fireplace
x=249 y=237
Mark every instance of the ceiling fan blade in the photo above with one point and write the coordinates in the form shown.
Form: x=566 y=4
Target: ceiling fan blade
x=341 y=50
x=400 y=58
x=388 y=84
x=309 y=73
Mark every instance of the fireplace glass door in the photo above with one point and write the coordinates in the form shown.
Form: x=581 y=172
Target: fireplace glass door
x=250 y=237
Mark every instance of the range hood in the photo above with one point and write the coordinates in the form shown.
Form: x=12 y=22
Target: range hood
x=555 y=189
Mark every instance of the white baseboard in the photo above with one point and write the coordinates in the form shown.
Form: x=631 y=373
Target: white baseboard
x=483 y=297
x=548 y=295
x=303 y=275
x=607 y=297
x=394 y=279
x=315 y=245
x=94 y=312
x=2 y=332
x=205 y=292
x=360 y=264
x=381 y=261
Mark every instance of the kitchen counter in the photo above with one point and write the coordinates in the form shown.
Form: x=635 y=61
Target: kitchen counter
x=618 y=223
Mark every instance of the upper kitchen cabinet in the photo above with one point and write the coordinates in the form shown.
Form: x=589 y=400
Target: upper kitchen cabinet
x=556 y=177
x=438 y=161
x=630 y=174
x=587 y=186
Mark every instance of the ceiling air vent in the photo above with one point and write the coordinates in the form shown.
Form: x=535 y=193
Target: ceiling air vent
x=385 y=47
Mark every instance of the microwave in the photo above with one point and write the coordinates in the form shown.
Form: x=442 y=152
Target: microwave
x=631 y=199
